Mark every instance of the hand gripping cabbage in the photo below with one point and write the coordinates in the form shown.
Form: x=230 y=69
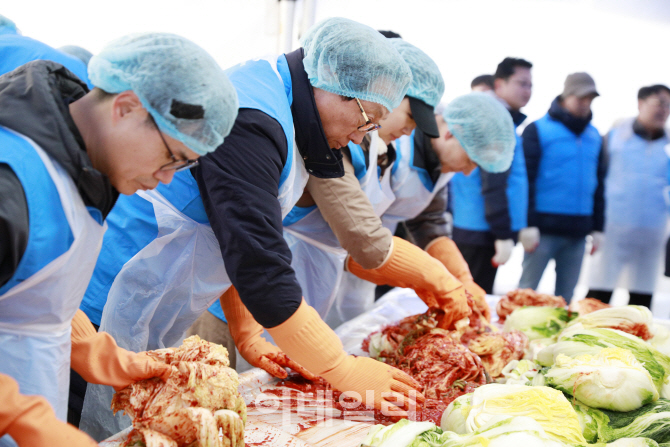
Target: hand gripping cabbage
x=611 y=379
x=199 y=397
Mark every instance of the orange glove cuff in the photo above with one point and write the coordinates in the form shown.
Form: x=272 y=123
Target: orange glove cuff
x=305 y=338
x=97 y=358
x=243 y=327
x=31 y=421
x=445 y=250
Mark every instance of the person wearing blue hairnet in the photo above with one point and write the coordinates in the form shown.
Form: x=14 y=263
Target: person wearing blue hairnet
x=335 y=217
x=159 y=103
x=297 y=110
x=80 y=53
x=490 y=208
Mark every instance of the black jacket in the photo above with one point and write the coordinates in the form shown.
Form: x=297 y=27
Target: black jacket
x=34 y=101
x=562 y=224
x=239 y=183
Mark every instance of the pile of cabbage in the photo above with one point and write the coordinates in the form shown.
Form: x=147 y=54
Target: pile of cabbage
x=589 y=382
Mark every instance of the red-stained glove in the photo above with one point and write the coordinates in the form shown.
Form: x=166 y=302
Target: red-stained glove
x=305 y=337
x=409 y=266
x=31 y=421
x=97 y=358
x=247 y=335
x=445 y=250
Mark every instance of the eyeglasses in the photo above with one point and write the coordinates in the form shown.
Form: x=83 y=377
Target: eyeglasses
x=369 y=126
x=176 y=164
x=659 y=103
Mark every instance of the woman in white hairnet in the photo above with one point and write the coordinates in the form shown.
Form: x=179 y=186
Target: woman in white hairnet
x=65 y=155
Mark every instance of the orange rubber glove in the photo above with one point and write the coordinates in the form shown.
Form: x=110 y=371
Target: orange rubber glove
x=445 y=250
x=306 y=338
x=97 y=358
x=31 y=421
x=409 y=266
x=247 y=335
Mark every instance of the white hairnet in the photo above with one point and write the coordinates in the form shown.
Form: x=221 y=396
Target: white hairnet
x=351 y=59
x=427 y=83
x=484 y=128
x=179 y=83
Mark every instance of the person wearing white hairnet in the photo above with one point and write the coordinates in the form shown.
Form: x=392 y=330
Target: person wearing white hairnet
x=297 y=110
x=159 y=103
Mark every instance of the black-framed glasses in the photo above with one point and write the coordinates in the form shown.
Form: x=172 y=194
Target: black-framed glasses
x=176 y=164
x=369 y=126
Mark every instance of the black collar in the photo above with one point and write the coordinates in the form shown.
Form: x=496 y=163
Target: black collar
x=517 y=117
x=320 y=160
x=575 y=124
x=646 y=134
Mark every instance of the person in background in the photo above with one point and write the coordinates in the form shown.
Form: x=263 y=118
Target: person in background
x=483 y=83
x=65 y=155
x=489 y=208
x=222 y=224
x=80 y=53
x=566 y=172
x=636 y=207
x=16 y=50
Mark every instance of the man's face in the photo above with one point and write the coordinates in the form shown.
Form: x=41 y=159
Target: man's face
x=398 y=123
x=453 y=157
x=517 y=89
x=341 y=118
x=654 y=110
x=579 y=107
x=132 y=150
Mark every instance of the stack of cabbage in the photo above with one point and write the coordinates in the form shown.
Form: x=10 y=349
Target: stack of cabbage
x=603 y=387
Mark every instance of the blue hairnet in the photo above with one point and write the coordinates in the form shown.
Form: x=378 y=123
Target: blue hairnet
x=484 y=128
x=179 y=83
x=427 y=83
x=351 y=59
x=80 y=53
x=7 y=26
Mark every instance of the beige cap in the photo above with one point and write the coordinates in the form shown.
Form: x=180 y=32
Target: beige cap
x=580 y=85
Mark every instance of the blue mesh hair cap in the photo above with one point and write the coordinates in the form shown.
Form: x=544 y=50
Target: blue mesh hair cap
x=484 y=128
x=427 y=83
x=7 y=26
x=80 y=53
x=179 y=83
x=351 y=59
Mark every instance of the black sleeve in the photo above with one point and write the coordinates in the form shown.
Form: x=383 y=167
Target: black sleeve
x=14 y=228
x=432 y=222
x=239 y=184
x=496 y=206
x=532 y=152
x=599 y=197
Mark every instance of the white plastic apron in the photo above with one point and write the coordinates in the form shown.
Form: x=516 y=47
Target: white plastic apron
x=318 y=258
x=37 y=354
x=181 y=274
x=356 y=295
x=636 y=214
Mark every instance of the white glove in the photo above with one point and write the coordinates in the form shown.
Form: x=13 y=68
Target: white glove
x=529 y=238
x=503 y=251
x=597 y=239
